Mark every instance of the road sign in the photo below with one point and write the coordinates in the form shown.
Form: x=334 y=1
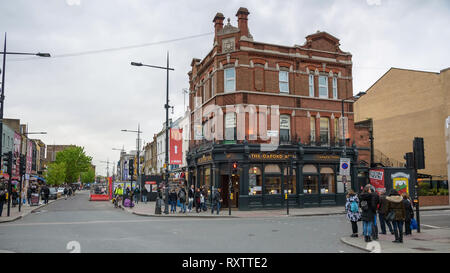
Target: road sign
x=344 y=166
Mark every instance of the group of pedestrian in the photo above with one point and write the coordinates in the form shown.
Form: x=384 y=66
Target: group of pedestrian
x=394 y=210
x=195 y=197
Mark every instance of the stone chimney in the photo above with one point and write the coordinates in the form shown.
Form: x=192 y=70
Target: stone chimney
x=242 y=15
x=218 y=22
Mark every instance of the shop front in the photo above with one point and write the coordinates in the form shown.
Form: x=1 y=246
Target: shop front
x=308 y=176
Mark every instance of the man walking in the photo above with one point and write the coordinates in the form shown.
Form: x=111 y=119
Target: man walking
x=137 y=192
x=144 y=195
x=182 y=198
x=191 y=194
x=216 y=199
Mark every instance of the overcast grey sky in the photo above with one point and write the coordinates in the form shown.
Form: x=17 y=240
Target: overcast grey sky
x=87 y=99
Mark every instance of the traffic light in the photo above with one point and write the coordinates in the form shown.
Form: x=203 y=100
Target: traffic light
x=235 y=168
x=8 y=160
x=22 y=165
x=131 y=167
x=419 y=157
x=409 y=157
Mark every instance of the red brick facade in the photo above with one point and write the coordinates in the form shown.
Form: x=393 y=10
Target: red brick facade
x=257 y=67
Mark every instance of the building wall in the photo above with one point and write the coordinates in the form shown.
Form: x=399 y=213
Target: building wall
x=405 y=104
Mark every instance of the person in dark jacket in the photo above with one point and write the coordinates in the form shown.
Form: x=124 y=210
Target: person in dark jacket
x=29 y=191
x=14 y=196
x=382 y=215
x=46 y=192
x=395 y=204
x=197 y=198
x=2 y=198
x=191 y=194
x=144 y=195
x=136 y=194
x=182 y=198
x=353 y=213
x=409 y=213
x=205 y=198
x=376 y=200
x=368 y=211
x=173 y=201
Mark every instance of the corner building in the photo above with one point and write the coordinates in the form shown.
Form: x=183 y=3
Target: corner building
x=308 y=84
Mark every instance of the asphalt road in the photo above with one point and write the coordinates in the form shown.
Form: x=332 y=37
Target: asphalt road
x=77 y=224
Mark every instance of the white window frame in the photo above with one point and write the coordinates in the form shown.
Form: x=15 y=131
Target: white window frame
x=335 y=91
x=231 y=79
x=311 y=85
x=321 y=86
x=288 y=118
x=286 y=82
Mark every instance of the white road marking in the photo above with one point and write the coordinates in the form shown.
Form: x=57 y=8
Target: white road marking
x=430 y=226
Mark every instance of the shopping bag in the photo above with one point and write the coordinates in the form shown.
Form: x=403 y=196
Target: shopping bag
x=413 y=224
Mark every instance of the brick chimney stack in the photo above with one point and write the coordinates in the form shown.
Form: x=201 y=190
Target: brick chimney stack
x=218 y=22
x=242 y=15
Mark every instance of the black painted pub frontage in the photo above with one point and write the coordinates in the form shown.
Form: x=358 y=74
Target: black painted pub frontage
x=309 y=175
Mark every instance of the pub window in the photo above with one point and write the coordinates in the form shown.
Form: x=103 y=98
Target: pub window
x=324 y=131
x=230 y=126
x=284 y=81
x=313 y=129
x=311 y=85
x=230 y=79
x=291 y=185
x=327 y=181
x=255 y=181
x=335 y=91
x=285 y=128
x=323 y=87
x=310 y=180
x=272 y=179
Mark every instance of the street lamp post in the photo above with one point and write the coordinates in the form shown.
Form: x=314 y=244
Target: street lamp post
x=166 y=106
x=2 y=99
x=138 y=158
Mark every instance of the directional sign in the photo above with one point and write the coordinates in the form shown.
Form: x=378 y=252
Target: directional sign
x=344 y=166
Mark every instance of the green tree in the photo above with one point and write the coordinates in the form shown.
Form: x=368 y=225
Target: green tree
x=89 y=176
x=56 y=173
x=76 y=162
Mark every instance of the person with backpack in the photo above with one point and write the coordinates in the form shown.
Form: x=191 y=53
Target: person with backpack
x=173 y=201
x=396 y=213
x=216 y=200
x=182 y=198
x=368 y=211
x=382 y=215
x=409 y=213
x=352 y=209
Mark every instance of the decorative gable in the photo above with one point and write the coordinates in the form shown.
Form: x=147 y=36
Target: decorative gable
x=322 y=41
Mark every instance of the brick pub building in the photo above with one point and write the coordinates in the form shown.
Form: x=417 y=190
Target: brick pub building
x=308 y=84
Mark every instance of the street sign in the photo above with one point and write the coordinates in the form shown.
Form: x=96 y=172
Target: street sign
x=344 y=166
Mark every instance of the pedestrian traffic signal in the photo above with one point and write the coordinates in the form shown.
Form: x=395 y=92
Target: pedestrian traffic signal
x=22 y=165
x=131 y=167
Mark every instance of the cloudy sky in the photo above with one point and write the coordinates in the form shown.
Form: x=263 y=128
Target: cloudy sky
x=88 y=91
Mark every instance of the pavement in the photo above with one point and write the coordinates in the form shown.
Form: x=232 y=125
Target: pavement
x=14 y=213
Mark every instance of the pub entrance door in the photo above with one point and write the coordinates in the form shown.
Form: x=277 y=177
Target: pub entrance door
x=225 y=182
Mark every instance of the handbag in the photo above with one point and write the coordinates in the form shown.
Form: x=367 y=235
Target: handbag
x=413 y=224
x=391 y=216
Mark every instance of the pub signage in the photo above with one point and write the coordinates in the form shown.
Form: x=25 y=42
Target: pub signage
x=270 y=156
x=204 y=159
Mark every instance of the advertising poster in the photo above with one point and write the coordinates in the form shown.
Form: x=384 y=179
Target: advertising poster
x=400 y=182
x=176 y=151
x=377 y=180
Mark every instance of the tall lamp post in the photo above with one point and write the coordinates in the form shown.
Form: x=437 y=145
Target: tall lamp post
x=167 y=68
x=2 y=97
x=121 y=151
x=138 y=148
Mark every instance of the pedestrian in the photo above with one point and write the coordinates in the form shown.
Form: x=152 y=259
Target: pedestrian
x=216 y=201
x=65 y=192
x=353 y=213
x=409 y=212
x=376 y=200
x=29 y=192
x=191 y=194
x=198 y=200
x=70 y=191
x=205 y=197
x=137 y=192
x=182 y=198
x=173 y=201
x=396 y=211
x=144 y=195
x=368 y=210
x=2 y=199
x=382 y=215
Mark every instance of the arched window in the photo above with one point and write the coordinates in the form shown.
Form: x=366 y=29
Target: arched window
x=272 y=179
x=273 y=168
x=255 y=181
x=310 y=180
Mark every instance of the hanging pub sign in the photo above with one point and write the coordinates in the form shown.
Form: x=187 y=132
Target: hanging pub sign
x=400 y=182
x=376 y=177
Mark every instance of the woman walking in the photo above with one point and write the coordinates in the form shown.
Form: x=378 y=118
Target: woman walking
x=197 y=197
x=353 y=214
x=396 y=207
x=368 y=211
